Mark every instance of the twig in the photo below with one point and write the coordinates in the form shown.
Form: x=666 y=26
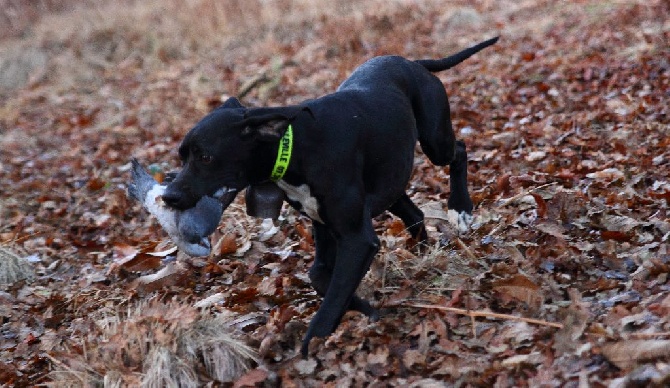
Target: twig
x=505 y=202
x=252 y=83
x=74 y=373
x=473 y=322
x=486 y=314
x=465 y=248
x=649 y=335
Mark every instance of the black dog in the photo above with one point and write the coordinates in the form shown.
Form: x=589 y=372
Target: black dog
x=350 y=155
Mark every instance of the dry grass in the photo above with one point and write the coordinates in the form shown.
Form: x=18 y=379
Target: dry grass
x=440 y=268
x=75 y=44
x=113 y=31
x=156 y=344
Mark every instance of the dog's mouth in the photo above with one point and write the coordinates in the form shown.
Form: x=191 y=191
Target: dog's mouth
x=225 y=195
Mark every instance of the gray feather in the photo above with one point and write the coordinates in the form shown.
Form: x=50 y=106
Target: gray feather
x=141 y=182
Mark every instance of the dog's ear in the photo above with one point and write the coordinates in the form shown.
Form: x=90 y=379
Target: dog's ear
x=268 y=124
x=268 y=130
x=231 y=103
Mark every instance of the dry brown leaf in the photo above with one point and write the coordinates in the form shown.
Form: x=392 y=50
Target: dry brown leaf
x=173 y=273
x=227 y=244
x=396 y=228
x=607 y=175
x=541 y=205
x=626 y=354
x=304 y=233
x=413 y=358
x=574 y=324
x=618 y=223
x=131 y=259
x=141 y=262
x=517 y=360
x=379 y=356
x=519 y=287
x=551 y=228
x=253 y=378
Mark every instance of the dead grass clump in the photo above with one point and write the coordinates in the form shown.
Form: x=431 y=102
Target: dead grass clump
x=79 y=43
x=156 y=345
x=434 y=270
x=118 y=31
x=13 y=267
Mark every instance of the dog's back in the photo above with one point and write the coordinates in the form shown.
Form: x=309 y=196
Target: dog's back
x=387 y=77
x=397 y=89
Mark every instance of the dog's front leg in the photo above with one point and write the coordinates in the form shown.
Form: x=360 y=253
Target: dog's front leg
x=355 y=250
x=322 y=269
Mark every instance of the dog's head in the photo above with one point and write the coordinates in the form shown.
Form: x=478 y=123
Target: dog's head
x=225 y=152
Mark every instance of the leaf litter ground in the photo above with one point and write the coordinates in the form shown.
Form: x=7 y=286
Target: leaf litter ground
x=562 y=281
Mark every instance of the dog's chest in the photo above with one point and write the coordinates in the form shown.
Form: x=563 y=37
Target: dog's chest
x=302 y=195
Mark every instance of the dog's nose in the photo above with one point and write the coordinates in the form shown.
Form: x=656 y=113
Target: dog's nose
x=172 y=198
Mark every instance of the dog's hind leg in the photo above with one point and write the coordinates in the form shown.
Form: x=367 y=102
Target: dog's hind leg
x=438 y=142
x=322 y=269
x=412 y=217
x=459 y=199
x=433 y=122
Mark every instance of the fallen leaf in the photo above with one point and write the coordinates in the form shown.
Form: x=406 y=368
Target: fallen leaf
x=306 y=367
x=618 y=223
x=413 y=358
x=130 y=259
x=626 y=354
x=210 y=300
x=574 y=324
x=519 y=287
x=379 y=356
x=173 y=273
x=163 y=253
x=606 y=175
x=252 y=378
x=519 y=359
x=227 y=244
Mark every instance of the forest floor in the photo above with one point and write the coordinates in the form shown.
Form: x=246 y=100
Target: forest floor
x=561 y=281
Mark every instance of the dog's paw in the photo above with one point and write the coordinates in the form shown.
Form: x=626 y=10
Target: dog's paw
x=461 y=220
x=464 y=221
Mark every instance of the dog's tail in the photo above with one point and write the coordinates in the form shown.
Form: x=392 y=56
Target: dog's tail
x=435 y=65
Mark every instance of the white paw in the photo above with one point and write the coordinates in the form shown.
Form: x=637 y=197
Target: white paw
x=464 y=221
x=461 y=220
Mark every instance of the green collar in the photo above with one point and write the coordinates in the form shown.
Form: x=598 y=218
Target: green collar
x=283 y=155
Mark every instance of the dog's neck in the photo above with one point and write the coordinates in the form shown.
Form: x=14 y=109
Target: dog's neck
x=283 y=155
x=269 y=165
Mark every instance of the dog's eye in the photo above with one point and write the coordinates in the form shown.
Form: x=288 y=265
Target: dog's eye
x=206 y=159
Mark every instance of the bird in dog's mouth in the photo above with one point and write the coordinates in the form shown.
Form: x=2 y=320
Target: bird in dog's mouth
x=190 y=228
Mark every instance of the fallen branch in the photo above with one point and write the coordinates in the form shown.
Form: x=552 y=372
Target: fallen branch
x=649 y=335
x=486 y=314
